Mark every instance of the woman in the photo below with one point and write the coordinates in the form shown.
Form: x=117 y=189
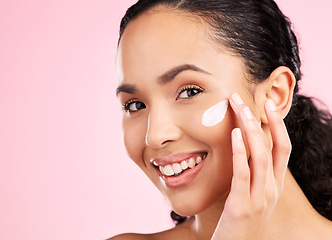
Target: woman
x=205 y=86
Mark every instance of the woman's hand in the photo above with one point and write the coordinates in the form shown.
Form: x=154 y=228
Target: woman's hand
x=257 y=184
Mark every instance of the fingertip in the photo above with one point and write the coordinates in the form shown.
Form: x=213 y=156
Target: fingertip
x=237 y=99
x=236 y=103
x=270 y=105
x=237 y=133
x=238 y=142
x=272 y=113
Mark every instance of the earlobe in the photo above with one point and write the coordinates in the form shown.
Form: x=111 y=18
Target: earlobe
x=280 y=87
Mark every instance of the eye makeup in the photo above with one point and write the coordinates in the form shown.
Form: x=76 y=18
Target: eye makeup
x=215 y=114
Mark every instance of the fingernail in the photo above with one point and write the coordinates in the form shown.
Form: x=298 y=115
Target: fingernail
x=271 y=105
x=237 y=99
x=247 y=113
x=238 y=133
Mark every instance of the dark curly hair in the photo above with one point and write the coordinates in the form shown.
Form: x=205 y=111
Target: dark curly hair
x=259 y=33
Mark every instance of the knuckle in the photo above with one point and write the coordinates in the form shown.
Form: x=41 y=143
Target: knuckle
x=255 y=129
x=239 y=151
x=263 y=160
x=252 y=128
x=242 y=176
x=241 y=213
x=259 y=207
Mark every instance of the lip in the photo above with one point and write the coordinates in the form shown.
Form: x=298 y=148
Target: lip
x=184 y=178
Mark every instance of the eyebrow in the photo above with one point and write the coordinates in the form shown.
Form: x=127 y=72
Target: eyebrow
x=127 y=88
x=172 y=73
x=163 y=79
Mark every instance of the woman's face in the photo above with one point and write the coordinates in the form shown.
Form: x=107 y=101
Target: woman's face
x=170 y=72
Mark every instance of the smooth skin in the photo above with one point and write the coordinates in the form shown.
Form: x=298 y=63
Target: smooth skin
x=256 y=188
x=244 y=190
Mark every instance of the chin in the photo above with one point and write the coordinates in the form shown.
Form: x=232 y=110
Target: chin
x=187 y=211
x=190 y=203
x=190 y=206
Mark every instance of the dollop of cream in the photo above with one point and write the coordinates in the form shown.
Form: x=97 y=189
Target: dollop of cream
x=215 y=114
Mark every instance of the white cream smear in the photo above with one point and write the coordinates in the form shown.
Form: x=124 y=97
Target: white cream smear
x=215 y=114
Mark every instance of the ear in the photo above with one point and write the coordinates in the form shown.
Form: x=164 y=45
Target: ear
x=279 y=87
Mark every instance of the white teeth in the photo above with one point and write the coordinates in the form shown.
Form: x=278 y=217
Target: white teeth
x=161 y=169
x=192 y=162
x=177 y=168
x=168 y=170
x=198 y=160
x=184 y=165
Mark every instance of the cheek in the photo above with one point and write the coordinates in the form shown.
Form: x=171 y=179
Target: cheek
x=218 y=137
x=215 y=114
x=217 y=173
x=134 y=140
x=210 y=125
x=217 y=141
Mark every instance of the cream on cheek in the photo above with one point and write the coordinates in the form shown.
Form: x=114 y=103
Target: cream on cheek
x=215 y=114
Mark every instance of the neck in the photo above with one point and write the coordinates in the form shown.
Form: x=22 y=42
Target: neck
x=293 y=217
x=206 y=222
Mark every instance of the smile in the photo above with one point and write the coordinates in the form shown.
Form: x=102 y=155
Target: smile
x=177 y=169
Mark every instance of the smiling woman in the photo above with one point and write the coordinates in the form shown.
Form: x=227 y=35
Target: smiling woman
x=180 y=60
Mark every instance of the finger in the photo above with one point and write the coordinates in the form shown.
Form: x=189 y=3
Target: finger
x=237 y=104
x=241 y=172
x=258 y=147
x=281 y=142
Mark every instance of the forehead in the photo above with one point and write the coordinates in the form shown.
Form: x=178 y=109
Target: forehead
x=162 y=25
x=160 y=39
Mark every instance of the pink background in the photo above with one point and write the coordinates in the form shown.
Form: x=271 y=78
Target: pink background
x=64 y=173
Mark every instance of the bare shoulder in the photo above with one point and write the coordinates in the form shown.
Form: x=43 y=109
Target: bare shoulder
x=131 y=236
x=181 y=232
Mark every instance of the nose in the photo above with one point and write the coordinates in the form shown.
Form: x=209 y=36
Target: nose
x=162 y=129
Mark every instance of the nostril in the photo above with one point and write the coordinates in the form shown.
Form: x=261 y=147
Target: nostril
x=165 y=142
x=161 y=129
x=161 y=139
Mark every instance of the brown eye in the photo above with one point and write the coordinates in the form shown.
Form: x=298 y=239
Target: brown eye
x=134 y=106
x=189 y=92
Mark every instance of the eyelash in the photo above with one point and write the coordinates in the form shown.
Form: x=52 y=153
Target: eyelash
x=191 y=87
x=126 y=105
